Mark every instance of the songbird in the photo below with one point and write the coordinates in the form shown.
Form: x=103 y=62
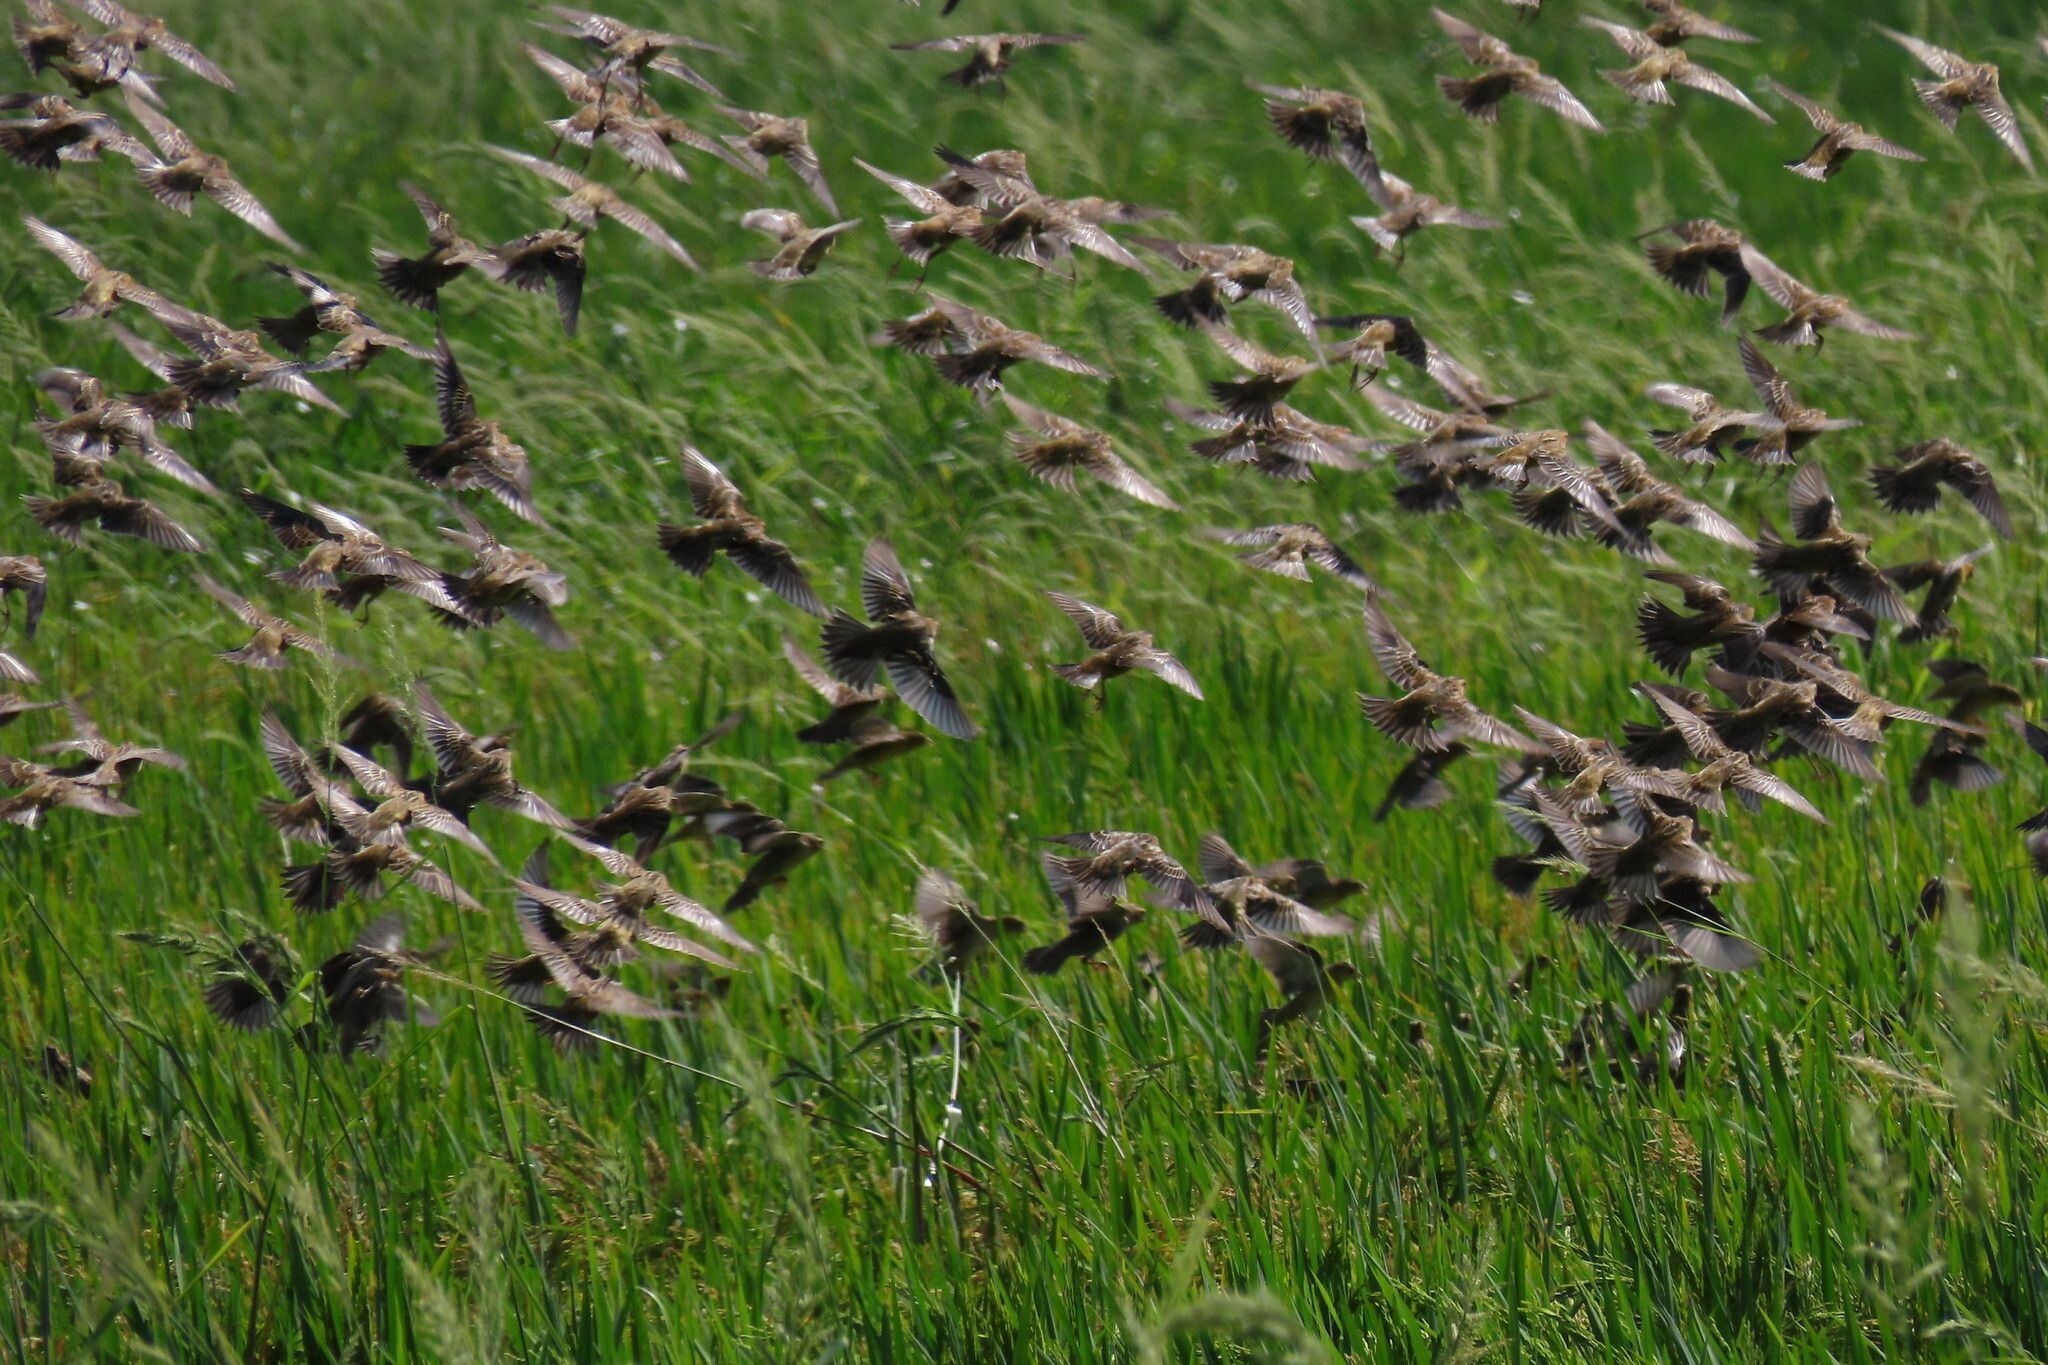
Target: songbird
x=1671 y=637
x=274 y=637
x=1327 y=124
x=548 y=259
x=1108 y=858
x=419 y=280
x=185 y=172
x=1290 y=447
x=26 y=575
x=1056 y=449
x=1943 y=580
x=1970 y=690
x=394 y=809
x=1374 y=337
x=1726 y=766
x=102 y=502
x=589 y=200
x=990 y=53
x=226 y=361
x=1913 y=485
x=40 y=790
x=627 y=49
x=976 y=348
x=769 y=136
x=1710 y=426
x=557 y=958
x=1675 y=23
x=1290 y=548
x=1268 y=378
x=1405 y=211
x=1227 y=275
x=638 y=890
x=335 y=544
x=502 y=581
x=1092 y=925
x=1117 y=650
x=103 y=762
x=851 y=707
x=1839 y=139
x=959 y=932
x=1825 y=550
x=1809 y=310
x=104 y=289
x=727 y=525
x=96 y=426
x=363 y=985
x=644 y=806
x=1791 y=425
x=57 y=131
x=873 y=742
x=1252 y=904
x=1419 y=783
x=777 y=851
x=2035 y=825
x=1434 y=709
x=247 y=989
x=1656 y=63
x=897 y=641
x=129 y=33
x=475 y=770
x=359 y=340
x=1022 y=223
x=472 y=453
x=1703 y=245
x=1303 y=978
x=944 y=222
x=803 y=247
x=1964 y=84
x=1508 y=73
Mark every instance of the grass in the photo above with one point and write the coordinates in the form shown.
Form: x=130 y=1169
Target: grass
x=840 y=1161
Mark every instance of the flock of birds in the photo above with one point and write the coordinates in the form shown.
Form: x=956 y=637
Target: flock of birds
x=1618 y=829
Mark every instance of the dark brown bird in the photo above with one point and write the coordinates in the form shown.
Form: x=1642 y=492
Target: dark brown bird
x=502 y=581
x=729 y=527
x=1825 y=550
x=1913 y=484
x=549 y=259
x=1024 y=224
x=1057 y=449
x=1433 y=709
x=226 y=360
x=1656 y=63
x=57 y=131
x=38 y=789
x=102 y=502
x=1809 y=312
x=1303 y=978
x=1955 y=761
x=129 y=33
x=1726 y=766
x=1710 y=427
x=1289 y=549
x=393 y=809
x=769 y=137
x=628 y=900
x=1839 y=139
x=1507 y=73
x=104 y=289
x=1290 y=447
x=626 y=120
x=990 y=54
x=1109 y=858
x=26 y=575
x=643 y=807
x=802 y=248
x=1252 y=906
x=2035 y=825
x=1718 y=620
x=1790 y=425
x=1092 y=925
x=944 y=222
x=419 y=280
x=1704 y=246
x=983 y=346
x=1419 y=784
x=102 y=762
x=1964 y=84
x=959 y=932
x=248 y=988
x=96 y=426
x=1943 y=579
x=1228 y=275
x=476 y=770
x=1641 y=500
x=589 y=200
x=1374 y=337
x=851 y=707
x=363 y=985
x=557 y=958
x=630 y=51
x=334 y=544
x=1117 y=650
x=358 y=339
x=1675 y=24
x=1970 y=690
x=1405 y=211
x=898 y=640
x=873 y=742
x=472 y=453
x=1327 y=124
x=184 y=173
x=777 y=851
x=274 y=637
x=1268 y=379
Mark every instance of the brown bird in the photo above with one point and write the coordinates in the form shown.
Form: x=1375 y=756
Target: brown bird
x=1024 y=224
x=1956 y=762
x=1640 y=500
x=394 y=809
x=314 y=813
x=1251 y=904
x=57 y=131
x=363 y=985
x=555 y=957
x=476 y=770
x=359 y=340
x=727 y=525
x=1303 y=978
x=103 y=762
x=1657 y=63
x=1092 y=925
x=184 y=172
x=1108 y=858
x=1671 y=637
x=1825 y=550
x=1726 y=766
x=1810 y=311
x=274 y=636
x=1970 y=690
x=991 y=53
x=96 y=426
x=1405 y=211
x=1914 y=484
x=1419 y=784
x=1964 y=84
x=776 y=851
x=102 y=502
x=959 y=932
x=248 y=988
x=1867 y=713
x=1000 y=166
x=897 y=641
x=1703 y=246
x=129 y=33
x=549 y=259
x=1117 y=650
x=769 y=136
x=1434 y=709
x=334 y=544
x=627 y=49
x=225 y=361
x=1508 y=73
x=803 y=247
x=1675 y=23
x=26 y=575
x=40 y=790
x=639 y=890
x=1374 y=337
x=501 y=582
x=643 y=807
x=1057 y=449
x=472 y=453
x=1290 y=548
x=1943 y=579
x=1710 y=427
x=51 y=40
x=981 y=347
x=852 y=707
x=419 y=280
x=1290 y=447
x=588 y=200
x=104 y=289
x=1268 y=379
x=1839 y=139
x=944 y=222
x=1328 y=125
x=874 y=741
x=1791 y=426
x=2036 y=825
x=1228 y=275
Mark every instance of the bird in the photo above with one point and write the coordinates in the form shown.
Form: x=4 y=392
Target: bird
x=1291 y=446
x=556 y=958
x=1791 y=425
x=627 y=49
x=545 y=259
x=944 y=222
x=184 y=172
x=1405 y=211
x=502 y=581
x=96 y=426
x=638 y=890
x=1434 y=709
x=472 y=453
x=1839 y=139
x=225 y=361
x=851 y=707
x=1374 y=337
x=1251 y=905
x=247 y=988
x=1303 y=978
x=104 y=289
x=1809 y=311
x=1022 y=223
x=475 y=770
x=643 y=807
x=129 y=33
x=419 y=280
x=359 y=339
x=2035 y=825
x=1943 y=580
x=1508 y=73
x=1703 y=246
x=1093 y=923
x=38 y=790
x=1710 y=427
x=1675 y=23
x=1726 y=766
x=727 y=525
x=274 y=636
x=1824 y=549
x=1057 y=449
x=363 y=985
x=1671 y=637
x=335 y=544
x=770 y=136
x=897 y=640
x=802 y=247
x=1640 y=500
x=1419 y=784
x=1913 y=484
x=1969 y=689
x=990 y=54
x=1109 y=858
x=959 y=932
x=102 y=502
x=393 y=809
x=1227 y=275
x=777 y=851
x=103 y=762
x=56 y=131
x=1964 y=84
x=26 y=575
x=976 y=348
x=1117 y=650
x=1289 y=549
x=1268 y=378
x=1655 y=63
x=1327 y=124
x=589 y=200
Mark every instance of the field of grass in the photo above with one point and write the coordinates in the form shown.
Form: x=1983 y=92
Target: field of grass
x=841 y=1161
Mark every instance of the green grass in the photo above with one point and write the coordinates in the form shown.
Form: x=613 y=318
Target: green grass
x=839 y=1160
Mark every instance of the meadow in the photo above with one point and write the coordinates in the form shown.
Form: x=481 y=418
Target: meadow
x=837 y=1159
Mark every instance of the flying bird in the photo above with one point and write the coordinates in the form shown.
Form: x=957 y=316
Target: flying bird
x=990 y=54
x=1656 y=63
x=1507 y=73
x=1327 y=124
x=1839 y=139
x=1289 y=550
x=184 y=172
x=1117 y=650
x=589 y=200
x=1405 y=211
x=471 y=453
x=1913 y=485
x=728 y=526
x=419 y=280
x=802 y=248
x=770 y=136
x=1434 y=709
x=1964 y=84
x=1809 y=311
x=897 y=640
x=1056 y=449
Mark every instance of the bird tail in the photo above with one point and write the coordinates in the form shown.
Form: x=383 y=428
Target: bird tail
x=1808 y=167
x=1048 y=958
x=253 y=655
x=970 y=370
x=1793 y=331
x=163 y=182
x=1517 y=873
x=190 y=374
x=1078 y=675
x=17 y=143
x=689 y=548
x=52 y=516
x=1383 y=237
x=172 y=406
x=1479 y=99
x=903 y=232
x=1899 y=496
